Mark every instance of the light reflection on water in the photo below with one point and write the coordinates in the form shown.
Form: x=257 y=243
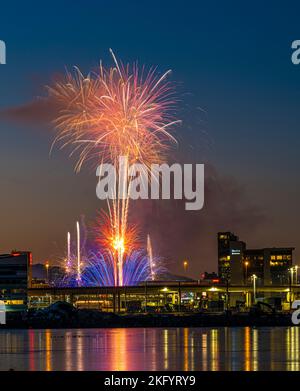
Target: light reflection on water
x=204 y=349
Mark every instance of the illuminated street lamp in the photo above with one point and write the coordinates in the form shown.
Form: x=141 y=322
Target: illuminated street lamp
x=185 y=265
x=246 y=271
x=47 y=270
x=254 y=278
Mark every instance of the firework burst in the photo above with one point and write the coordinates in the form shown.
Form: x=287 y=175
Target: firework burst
x=98 y=270
x=119 y=111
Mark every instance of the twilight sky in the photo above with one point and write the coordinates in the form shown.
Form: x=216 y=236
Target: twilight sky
x=240 y=101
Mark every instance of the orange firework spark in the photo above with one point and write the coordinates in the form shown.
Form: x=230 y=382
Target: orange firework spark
x=116 y=235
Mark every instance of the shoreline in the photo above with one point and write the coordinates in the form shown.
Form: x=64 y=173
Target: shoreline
x=94 y=319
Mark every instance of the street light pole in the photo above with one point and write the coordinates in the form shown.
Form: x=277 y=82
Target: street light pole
x=291 y=283
x=227 y=293
x=254 y=277
x=296 y=274
x=246 y=272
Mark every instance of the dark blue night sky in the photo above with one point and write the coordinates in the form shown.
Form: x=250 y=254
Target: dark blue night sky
x=231 y=59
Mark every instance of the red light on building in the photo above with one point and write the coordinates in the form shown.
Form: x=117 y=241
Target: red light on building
x=216 y=280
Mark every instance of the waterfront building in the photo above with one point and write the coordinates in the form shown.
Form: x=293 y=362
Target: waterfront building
x=15 y=279
x=232 y=289
x=230 y=258
x=237 y=264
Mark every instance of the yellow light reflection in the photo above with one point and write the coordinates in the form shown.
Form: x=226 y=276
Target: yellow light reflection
x=247 y=346
x=166 y=349
x=122 y=361
x=192 y=351
x=292 y=348
x=48 y=350
x=186 y=349
x=255 y=350
x=214 y=349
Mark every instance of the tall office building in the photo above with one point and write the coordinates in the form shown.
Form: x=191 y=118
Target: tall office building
x=230 y=258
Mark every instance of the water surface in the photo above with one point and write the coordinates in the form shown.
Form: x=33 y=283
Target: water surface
x=213 y=349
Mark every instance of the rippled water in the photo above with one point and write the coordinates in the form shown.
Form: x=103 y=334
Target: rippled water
x=242 y=348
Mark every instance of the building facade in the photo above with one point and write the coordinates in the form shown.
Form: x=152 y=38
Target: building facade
x=237 y=264
x=230 y=258
x=271 y=265
x=15 y=279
